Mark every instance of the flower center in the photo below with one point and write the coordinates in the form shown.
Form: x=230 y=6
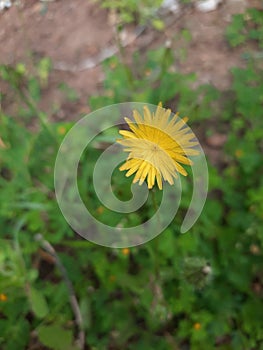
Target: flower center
x=154 y=148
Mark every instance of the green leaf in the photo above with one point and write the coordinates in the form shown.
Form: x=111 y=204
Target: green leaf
x=56 y=337
x=34 y=89
x=167 y=244
x=18 y=336
x=38 y=303
x=158 y=24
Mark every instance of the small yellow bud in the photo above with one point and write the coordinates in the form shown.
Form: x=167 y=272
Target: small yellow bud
x=125 y=251
x=239 y=153
x=3 y=297
x=62 y=130
x=100 y=210
x=197 y=326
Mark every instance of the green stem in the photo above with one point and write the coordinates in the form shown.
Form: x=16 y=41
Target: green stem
x=155 y=241
x=165 y=63
x=122 y=55
x=32 y=106
x=72 y=295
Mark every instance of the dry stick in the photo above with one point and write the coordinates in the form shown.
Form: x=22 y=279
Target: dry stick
x=72 y=296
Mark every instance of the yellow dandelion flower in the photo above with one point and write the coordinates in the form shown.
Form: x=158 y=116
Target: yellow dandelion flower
x=197 y=326
x=100 y=210
x=125 y=251
x=157 y=144
x=239 y=153
x=62 y=130
x=3 y=297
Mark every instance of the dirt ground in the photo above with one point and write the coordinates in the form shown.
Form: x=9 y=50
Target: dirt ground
x=75 y=33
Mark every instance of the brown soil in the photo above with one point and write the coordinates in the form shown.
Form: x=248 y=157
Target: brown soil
x=70 y=32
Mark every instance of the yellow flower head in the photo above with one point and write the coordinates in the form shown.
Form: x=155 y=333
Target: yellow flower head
x=3 y=297
x=197 y=326
x=156 y=145
x=125 y=251
x=239 y=153
x=62 y=130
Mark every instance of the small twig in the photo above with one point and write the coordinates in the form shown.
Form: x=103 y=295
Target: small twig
x=105 y=53
x=72 y=296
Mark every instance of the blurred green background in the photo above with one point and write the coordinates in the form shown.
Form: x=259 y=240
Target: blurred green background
x=200 y=290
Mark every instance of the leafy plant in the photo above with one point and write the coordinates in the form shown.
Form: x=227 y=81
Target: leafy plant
x=246 y=27
x=194 y=291
x=155 y=81
x=133 y=10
